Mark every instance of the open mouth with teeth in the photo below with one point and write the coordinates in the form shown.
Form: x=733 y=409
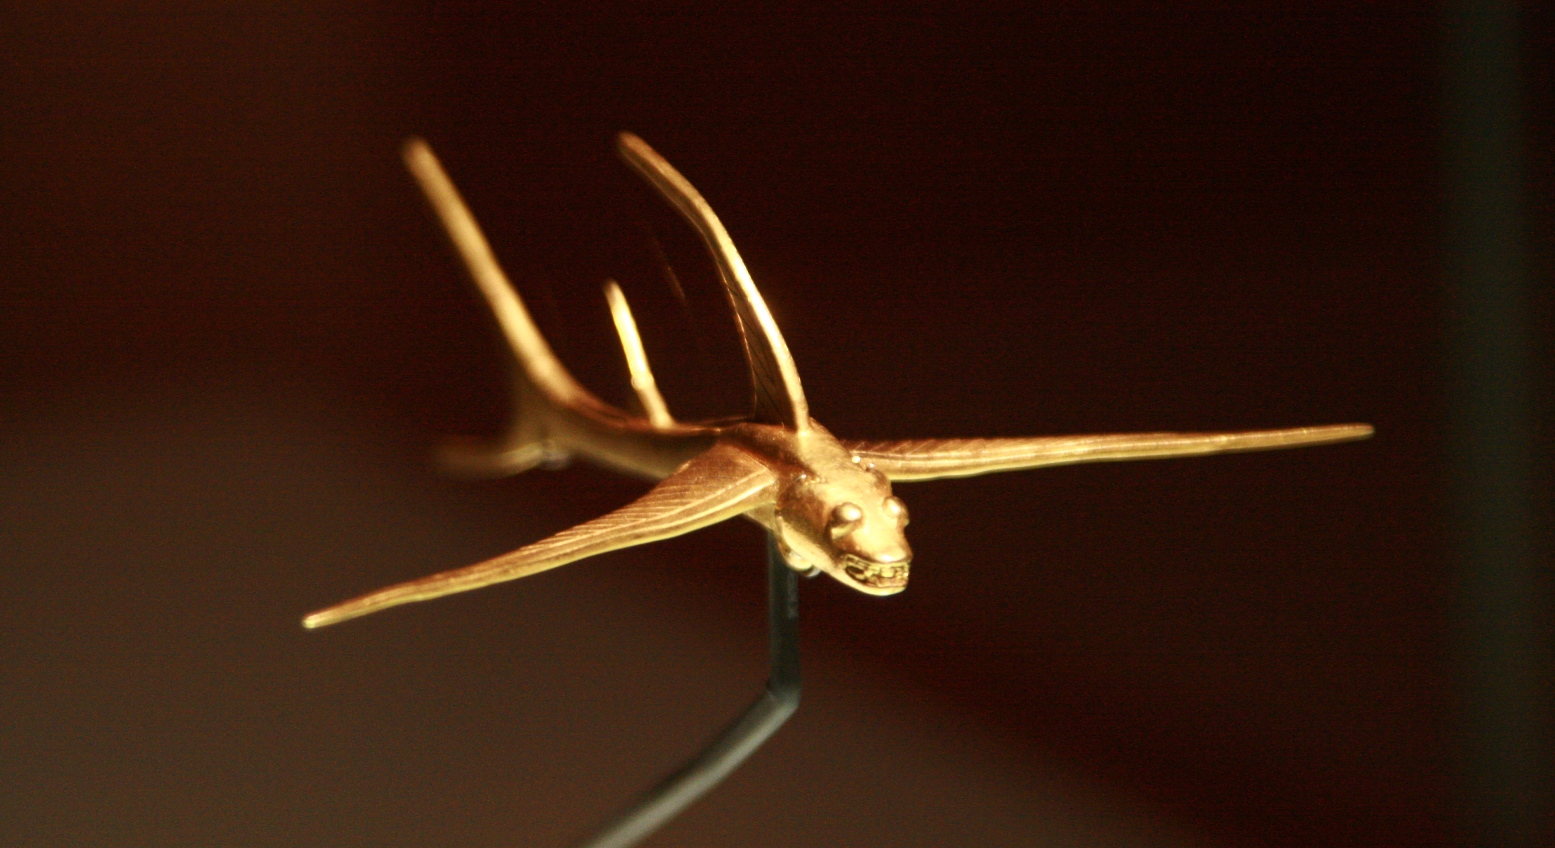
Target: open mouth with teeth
x=876 y=575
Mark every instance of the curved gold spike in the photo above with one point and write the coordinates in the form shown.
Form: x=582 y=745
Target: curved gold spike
x=779 y=397
x=643 y=384
x=534 y=355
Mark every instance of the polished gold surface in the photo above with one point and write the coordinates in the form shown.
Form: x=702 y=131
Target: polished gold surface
x=827 y=502
x=929 y=459
x=643 y=384
x=719 y=484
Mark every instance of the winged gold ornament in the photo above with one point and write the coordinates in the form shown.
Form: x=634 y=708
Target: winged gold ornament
x=827 y=502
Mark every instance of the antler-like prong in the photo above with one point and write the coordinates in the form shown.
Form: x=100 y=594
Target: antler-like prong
x=643 y=384
x=779 y=397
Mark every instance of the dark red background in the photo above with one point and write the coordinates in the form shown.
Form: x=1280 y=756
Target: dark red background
x=222 y=301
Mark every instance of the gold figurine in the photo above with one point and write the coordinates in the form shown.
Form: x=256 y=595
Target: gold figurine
x=826 y=501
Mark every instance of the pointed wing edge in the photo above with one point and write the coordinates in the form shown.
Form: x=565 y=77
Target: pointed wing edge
x=717 y=485
x=929 y=459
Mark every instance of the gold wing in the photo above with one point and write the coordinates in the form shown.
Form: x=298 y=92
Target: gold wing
x=928 y=459
x=719 y=484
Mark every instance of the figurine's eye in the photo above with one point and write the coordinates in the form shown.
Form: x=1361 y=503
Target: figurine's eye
x=844 y=518
x=894 y=506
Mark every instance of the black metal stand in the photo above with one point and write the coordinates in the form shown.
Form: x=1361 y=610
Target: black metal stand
x=740 y=739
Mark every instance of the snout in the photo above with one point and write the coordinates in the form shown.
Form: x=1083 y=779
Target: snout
x=875 y=577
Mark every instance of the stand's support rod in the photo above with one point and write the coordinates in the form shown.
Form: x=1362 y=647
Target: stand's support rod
x=740 y=739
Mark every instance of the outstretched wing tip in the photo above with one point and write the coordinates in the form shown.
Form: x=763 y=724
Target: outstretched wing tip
x=322 y=618
x=354 y=608
x=927 y=459
x=716 y=485
x=377 y=600
x=342 y=612
x=1325 y=434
